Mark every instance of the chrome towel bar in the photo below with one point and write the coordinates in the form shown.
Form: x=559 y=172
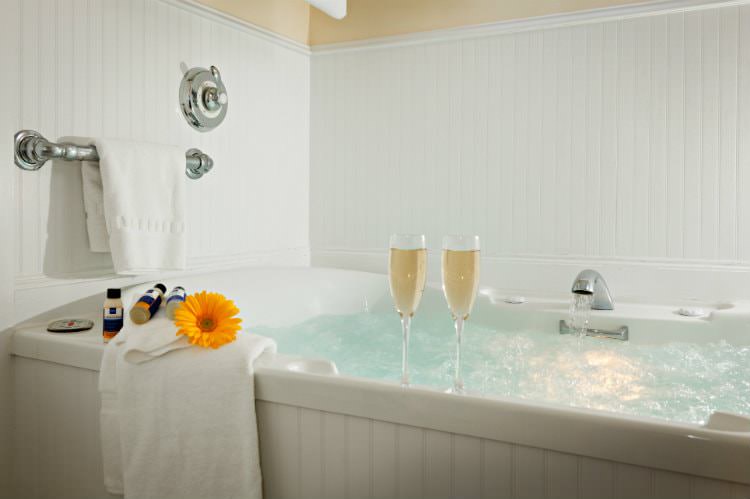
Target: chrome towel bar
x=32 y=150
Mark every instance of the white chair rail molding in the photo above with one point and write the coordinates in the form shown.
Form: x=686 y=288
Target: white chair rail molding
x=356 y=249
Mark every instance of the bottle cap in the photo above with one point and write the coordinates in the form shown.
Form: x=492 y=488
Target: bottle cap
x=114 y=293
x=162 y=287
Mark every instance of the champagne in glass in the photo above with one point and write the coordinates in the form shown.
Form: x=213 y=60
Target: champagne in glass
x=407 y=270
x=460 y=280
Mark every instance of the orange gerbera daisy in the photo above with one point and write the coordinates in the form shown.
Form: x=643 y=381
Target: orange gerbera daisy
x=207 y=319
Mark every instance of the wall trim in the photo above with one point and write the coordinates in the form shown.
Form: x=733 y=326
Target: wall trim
x=236 y=23
x=38 y=293
x=280 y=257
x=604 y=14
x=632 y=279
x=682 y=264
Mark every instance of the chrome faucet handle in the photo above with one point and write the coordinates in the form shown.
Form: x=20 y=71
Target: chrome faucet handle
x=215 y=72
x=203 y=98
x=213 y=99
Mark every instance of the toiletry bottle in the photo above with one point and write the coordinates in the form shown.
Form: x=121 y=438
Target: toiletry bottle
x=148 y=304
x=113 y=314
x=174 y=300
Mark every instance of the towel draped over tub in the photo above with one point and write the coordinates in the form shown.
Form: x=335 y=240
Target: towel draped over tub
x=179 y=421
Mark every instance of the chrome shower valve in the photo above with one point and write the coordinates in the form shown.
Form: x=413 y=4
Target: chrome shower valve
x=203 y=98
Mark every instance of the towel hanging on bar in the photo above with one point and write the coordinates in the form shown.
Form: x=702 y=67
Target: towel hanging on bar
x=32 y=150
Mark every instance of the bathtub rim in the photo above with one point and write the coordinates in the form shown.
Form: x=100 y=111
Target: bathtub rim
x=685 y=448
x=641 y=441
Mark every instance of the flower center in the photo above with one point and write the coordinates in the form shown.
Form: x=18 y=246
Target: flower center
x=206 y=324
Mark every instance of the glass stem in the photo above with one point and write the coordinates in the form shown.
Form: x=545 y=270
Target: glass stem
x=405 y=325
x=458 y=382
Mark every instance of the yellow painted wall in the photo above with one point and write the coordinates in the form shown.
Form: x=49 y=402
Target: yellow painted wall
x=289 y=18
x=295 y=19
x=376 y=18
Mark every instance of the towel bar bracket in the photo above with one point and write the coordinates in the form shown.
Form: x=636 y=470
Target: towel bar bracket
x=32 y=150
x=198 y=163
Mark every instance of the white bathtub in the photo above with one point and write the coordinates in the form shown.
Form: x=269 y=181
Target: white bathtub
x=329 y=435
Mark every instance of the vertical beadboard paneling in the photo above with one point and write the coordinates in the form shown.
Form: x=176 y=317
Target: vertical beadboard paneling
x=693 y=141
x=617 y=140
x=727 y=166
x=468 y=468
x=658 y=167
x=379 y=459
x=596 y=479
x=358 y=455
x=310 y=452
x=668 y=485
x=610 y=129
x=411 y=461
x=10 y=39
x=384 y=460
x=335 y=463
x=561 y=476
x=709 y=180
x=111 y=68
x=528 y=472
x=497 y=475
x=743 y=130
x=438 y=471
x=57 y=451
x=632 y=481
x=314 y=454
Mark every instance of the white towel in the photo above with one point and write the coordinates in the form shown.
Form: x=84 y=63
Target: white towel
x=135 y=205
x=150 y=340
x=182 y=424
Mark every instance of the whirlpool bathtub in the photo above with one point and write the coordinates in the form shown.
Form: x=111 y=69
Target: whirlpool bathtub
x=664 y=414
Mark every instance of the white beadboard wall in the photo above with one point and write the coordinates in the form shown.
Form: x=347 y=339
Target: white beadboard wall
x=622 y=143
x=310 y=454
x=113 y=68
x=314 y=454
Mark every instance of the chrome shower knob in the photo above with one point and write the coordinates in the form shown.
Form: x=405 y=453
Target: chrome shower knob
x=203 y=98
x=213 y=100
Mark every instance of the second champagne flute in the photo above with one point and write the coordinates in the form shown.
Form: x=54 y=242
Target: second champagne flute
x=407 y=270
x=460 y=281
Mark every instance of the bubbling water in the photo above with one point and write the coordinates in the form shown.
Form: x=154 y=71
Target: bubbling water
x=678 y=381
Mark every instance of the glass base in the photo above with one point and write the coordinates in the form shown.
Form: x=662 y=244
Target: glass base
x=458 y=389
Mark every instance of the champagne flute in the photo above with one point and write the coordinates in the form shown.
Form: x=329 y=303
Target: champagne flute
x=407 y=270
x=460 y=281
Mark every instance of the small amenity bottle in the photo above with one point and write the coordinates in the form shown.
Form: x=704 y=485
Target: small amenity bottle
x=113 y=314
x=148 y=304
x=174 y=300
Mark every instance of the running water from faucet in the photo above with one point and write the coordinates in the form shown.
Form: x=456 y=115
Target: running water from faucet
x=579 y=312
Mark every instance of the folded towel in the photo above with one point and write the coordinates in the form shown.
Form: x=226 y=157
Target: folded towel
x=135 y=205
x=150 y=340
x=93 y=203
x=109 y=416
x=180 y=424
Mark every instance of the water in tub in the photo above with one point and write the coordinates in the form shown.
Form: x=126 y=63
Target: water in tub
x=678 y=381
